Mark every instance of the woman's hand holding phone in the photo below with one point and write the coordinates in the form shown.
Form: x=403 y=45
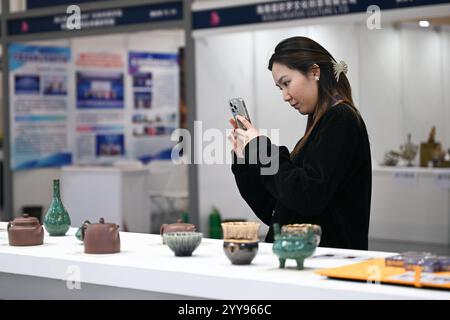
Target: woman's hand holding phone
x=240 y=137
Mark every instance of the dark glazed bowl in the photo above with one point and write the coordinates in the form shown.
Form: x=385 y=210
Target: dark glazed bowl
x=240 y=252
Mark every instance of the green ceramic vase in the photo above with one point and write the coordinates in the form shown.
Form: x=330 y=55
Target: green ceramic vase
x=57 y=220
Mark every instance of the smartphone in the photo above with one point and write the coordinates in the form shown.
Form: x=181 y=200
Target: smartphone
x=237 y=107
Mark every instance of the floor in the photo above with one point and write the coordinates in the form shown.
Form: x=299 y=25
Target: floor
x=398 y=246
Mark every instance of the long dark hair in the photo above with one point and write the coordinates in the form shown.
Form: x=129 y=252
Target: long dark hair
x=301 y=53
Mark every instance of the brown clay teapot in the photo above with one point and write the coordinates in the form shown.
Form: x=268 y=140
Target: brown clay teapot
x=101 y=237
x=25 y=231
x=179 y=226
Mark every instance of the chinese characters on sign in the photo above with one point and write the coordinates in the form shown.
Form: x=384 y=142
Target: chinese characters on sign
x=299 y=9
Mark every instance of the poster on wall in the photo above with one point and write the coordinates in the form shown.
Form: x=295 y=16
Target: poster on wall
x=39 y=106
x=154 y=96
x=99 y=119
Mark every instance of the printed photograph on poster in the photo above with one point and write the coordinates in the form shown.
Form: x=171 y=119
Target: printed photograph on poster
x=143 y=119
x=26 y=84
x=167 y=118
x=54 y=84
x=110 y=145
x=100 y=90
x=157 y=125
x=142 y=100
x=149 y=131
x=143 y=80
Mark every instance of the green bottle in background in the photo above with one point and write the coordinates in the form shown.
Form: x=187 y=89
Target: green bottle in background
x=185 y=217
x=57 y=220
x=215 y=227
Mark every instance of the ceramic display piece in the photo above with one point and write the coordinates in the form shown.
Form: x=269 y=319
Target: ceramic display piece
x=100 y=238
x=247 y=230
x=302 y=229
x=179 y=226
x=409 y=151
x=25 y=231
x=240 y=252
x=391 y=158
x=80 y=232
x=430 y=151
x=297 y=246
x=57 y=220
x=183 y=244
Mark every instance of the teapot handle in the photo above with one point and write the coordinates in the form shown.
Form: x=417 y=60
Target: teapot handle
x=8 y=226
x=276 y=229
x=84 y=227
x=113 y=228
x=162 y=228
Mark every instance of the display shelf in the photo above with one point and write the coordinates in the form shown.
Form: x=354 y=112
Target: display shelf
x=411 y=204
x=420 y=170
x=146 y=268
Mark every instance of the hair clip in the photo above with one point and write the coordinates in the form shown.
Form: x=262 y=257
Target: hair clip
x=339 y=68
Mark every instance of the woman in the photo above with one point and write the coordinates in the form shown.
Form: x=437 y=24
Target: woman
x=327 y=178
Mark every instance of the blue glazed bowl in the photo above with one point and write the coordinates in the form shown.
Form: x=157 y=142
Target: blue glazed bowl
x=183 y=244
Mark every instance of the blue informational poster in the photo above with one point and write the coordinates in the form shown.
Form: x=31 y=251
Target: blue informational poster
x=154 y=112
x=99 y=113
x=39 y=106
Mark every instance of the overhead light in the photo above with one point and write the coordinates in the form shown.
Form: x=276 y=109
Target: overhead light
x=424 y=23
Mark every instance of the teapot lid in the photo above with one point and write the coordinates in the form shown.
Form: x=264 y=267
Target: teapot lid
x=26 y=219
x=100 y=223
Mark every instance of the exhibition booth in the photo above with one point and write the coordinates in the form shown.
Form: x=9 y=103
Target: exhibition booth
x=109 y=95
x=97 y=105
x=399 y=73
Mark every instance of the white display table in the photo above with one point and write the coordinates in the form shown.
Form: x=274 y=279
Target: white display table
x=147 y=269
x=411 y=204
x=120 y=195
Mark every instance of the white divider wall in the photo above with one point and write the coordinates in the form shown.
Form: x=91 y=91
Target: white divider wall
x=224 y=69
x=445 y=55
x=399 y=86
x=380 y=88
x=422 y=68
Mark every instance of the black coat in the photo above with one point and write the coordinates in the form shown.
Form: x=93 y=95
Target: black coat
x=329 y=182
